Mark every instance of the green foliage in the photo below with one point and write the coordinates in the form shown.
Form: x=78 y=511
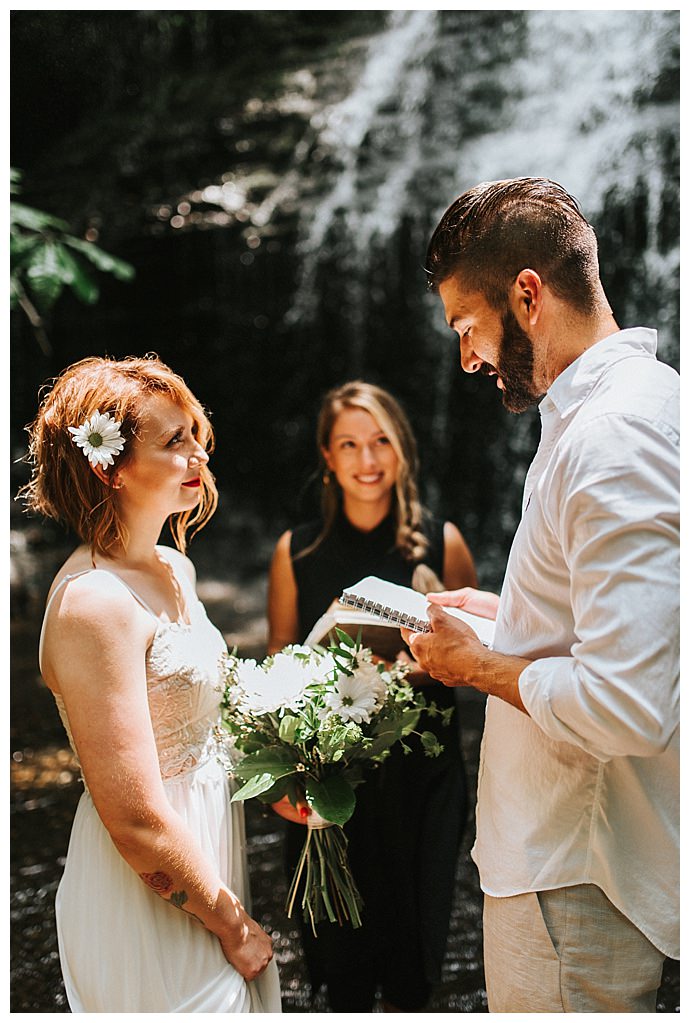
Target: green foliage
x=333 y=798
x=45 y=258
x=299 y=743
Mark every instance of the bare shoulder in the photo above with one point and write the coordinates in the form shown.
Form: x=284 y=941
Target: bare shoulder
x=451 y=533
x=282 y=548
x=179 y=561
x=97 y=598
x=458 y=563
x=93 y=624
x=281 y=563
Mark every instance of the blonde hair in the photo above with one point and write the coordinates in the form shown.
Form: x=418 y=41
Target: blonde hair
x=64 y=487
x=382 y=406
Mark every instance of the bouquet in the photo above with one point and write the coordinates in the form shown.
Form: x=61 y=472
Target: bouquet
x=306 y=723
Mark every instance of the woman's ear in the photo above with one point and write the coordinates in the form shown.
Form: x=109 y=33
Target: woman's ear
x=325 y=454
x=112 y=481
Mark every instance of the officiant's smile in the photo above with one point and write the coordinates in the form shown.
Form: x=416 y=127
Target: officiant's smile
x=362 y=459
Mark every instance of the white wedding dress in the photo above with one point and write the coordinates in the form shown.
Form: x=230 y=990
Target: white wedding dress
x=122 y=947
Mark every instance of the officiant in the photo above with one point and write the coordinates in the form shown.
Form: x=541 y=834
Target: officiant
x=405 y=833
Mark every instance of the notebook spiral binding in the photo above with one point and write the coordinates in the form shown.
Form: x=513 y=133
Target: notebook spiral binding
x=388 y=614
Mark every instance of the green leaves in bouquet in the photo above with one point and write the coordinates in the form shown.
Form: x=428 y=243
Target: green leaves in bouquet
x=262 y=770
x=432 y=747
x=345 y=652
x=333 y=798
x=389 y=729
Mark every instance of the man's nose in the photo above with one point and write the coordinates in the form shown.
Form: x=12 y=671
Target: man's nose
x=469 y=360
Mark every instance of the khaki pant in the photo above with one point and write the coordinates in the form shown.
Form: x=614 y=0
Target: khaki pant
x=567 y=950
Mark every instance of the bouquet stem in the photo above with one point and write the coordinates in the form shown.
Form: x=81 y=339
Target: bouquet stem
x=330 y=892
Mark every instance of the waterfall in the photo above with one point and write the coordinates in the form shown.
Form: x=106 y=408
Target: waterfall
x=569 y=107
x=445 y=99
x=391 y=90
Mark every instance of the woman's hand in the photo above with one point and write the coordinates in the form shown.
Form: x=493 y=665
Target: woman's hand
x=300 y=814
x=248 y=948
x=476 y=602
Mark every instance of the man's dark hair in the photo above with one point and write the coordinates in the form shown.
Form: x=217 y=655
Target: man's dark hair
x=495 y=230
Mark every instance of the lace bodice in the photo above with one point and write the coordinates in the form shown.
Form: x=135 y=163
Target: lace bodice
x=185 y=681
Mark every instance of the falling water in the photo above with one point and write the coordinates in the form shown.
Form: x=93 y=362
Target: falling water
x=368 y=196
x=568 y=103
x=446 y=99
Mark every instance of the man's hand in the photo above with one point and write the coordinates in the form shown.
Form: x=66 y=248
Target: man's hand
x=449 y=651
x=453 y=654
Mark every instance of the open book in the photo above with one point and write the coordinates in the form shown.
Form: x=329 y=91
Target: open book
x=396 y=606
x=376 y=634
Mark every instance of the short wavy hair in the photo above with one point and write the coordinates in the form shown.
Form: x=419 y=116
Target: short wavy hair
x=63 y=486
x=498 y=228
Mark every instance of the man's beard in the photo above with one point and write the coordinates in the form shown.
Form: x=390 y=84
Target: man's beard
x=515 y=366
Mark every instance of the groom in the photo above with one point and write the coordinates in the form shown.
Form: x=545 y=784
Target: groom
x=577 y=815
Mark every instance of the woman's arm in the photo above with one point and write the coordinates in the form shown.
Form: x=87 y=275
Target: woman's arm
x=283 y=623
x=95 y=651
x=458 y=564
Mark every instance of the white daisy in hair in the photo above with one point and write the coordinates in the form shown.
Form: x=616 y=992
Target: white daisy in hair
x=99 y=438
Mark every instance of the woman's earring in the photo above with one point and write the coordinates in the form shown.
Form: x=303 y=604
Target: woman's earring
x=326 y=478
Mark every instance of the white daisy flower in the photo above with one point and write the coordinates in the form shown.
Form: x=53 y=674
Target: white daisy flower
x=281 y=686
x=356 y=696
x=322 y=666
x=369 y=673
x=99 y=438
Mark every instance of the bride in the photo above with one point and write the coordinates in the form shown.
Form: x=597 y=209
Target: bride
x=152 y=910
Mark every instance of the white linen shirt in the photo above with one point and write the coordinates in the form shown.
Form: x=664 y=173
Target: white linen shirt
x=586 y=788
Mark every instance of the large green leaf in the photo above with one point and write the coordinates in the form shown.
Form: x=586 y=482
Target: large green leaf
x=288 y=728
x=254 y=787
x=44 y=275
x=35 y=220
x=102 y=260
x=21 y=245
x=332 y=798
x=76 y=276
x=272 y=760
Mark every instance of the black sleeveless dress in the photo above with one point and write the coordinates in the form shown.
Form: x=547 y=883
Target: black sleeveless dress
x=405 y=832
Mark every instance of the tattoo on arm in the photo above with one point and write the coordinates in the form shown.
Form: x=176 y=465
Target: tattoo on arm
x=178 y=899
x=162 y=884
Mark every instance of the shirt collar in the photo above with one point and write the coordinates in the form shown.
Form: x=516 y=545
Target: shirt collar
x=571 y=387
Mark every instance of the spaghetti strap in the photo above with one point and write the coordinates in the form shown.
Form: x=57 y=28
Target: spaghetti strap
x=75 y=575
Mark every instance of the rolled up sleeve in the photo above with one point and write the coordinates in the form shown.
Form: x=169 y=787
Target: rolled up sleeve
x=615 y=511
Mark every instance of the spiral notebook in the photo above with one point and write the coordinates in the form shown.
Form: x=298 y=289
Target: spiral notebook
x=401 y=606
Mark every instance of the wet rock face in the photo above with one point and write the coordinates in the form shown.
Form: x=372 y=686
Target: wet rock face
x=275 y=183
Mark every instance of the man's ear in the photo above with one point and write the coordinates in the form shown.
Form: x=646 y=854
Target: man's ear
x=527 y=298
